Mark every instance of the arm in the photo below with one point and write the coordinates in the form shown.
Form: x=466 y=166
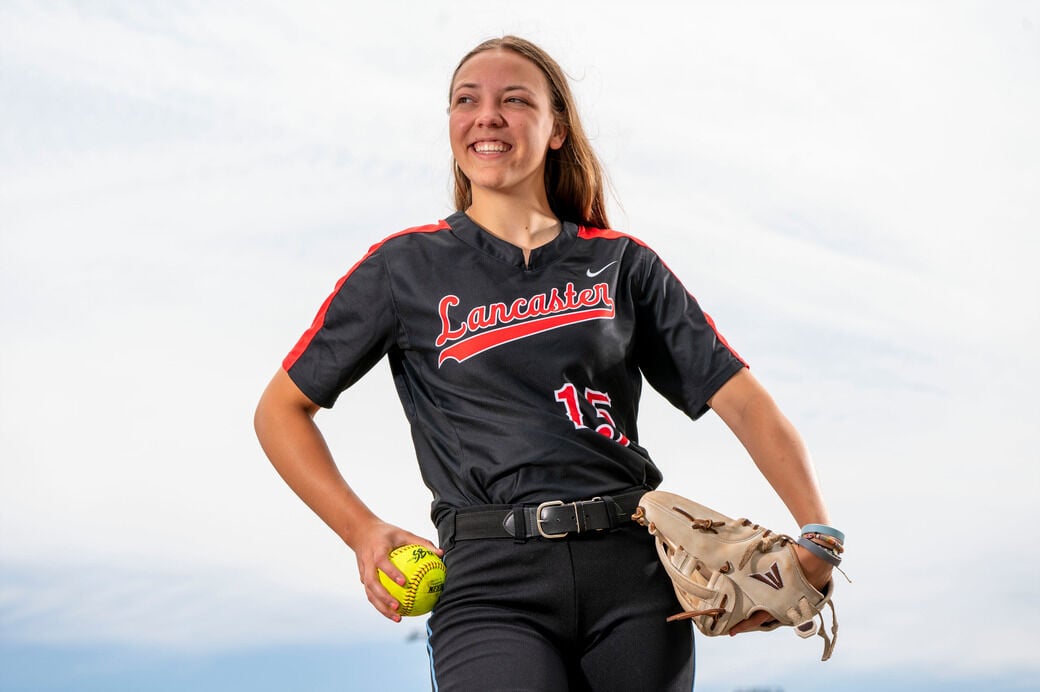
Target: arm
x=285 y=426
x=780 y=454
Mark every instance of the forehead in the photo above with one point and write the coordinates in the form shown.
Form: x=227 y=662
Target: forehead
x=500 y=67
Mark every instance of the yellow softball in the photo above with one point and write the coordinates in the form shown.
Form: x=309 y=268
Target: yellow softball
x=425 y=574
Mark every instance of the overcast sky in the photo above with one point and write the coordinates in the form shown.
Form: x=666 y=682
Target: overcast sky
x=849 y=188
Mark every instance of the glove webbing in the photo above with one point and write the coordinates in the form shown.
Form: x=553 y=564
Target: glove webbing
x=828 y=642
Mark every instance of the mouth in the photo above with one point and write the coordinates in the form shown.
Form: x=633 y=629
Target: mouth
x=491 y=147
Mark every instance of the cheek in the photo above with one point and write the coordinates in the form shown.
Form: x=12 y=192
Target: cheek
x=543 y=133
x=457 y=134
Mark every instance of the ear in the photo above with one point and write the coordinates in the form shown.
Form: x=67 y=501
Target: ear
x=559 y=135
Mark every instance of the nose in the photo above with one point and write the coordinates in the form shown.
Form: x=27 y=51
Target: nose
x=490 y=115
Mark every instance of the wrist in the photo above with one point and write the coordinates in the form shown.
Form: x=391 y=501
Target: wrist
x=356 y=525
x=824 y=530
x=831 y=557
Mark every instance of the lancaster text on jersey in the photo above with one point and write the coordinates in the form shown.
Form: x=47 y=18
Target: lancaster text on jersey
x=487 y=326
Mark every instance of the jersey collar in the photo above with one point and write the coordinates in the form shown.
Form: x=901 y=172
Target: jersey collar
x=470 y=232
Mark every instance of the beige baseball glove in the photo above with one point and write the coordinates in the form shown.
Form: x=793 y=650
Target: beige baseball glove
x=724 y=570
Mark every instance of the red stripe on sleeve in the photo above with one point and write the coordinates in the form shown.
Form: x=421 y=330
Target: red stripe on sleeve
x=319 y=319
x=587 y=233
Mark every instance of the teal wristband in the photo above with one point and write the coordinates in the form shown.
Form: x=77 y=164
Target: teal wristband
x=825 y=530
x=819 y=551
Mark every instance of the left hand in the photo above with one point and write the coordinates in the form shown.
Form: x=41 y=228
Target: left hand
x=377 y=539
x=817 y=572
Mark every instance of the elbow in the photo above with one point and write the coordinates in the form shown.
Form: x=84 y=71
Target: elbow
x=262 y=417
x=282 y=400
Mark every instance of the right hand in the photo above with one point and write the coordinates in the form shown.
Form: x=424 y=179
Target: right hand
x=376 y=541
x=816 y=571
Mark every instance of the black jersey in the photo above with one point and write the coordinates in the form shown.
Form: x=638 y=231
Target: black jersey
x=521 y=383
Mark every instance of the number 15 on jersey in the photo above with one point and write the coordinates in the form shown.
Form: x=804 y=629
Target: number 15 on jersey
x=568 y=396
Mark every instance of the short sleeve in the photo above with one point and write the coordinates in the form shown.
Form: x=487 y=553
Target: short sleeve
x=352 y=331
x=679 y=350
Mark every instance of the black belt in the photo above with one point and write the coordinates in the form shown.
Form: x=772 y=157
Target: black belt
x=555 y=519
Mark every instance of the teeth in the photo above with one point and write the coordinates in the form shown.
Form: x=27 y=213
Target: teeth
x=490 y=147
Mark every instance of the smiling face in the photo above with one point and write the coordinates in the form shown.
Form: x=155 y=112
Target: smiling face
x=502 y=124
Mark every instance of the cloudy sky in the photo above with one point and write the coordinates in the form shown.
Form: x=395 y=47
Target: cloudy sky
x=850 y=188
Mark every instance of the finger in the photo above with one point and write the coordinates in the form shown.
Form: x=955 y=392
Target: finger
x=412 y=539
x=381 y=599
x=387 y=606
x=750 y=624
x=432 y=547
x=369 y=566
x=376 y=593
x=391 y=571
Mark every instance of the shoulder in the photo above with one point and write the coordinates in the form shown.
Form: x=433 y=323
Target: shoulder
x=624 y=246
x=402 y=242
x=640 y=262
x=609 y=234
x=411 y=235
x=376 y=258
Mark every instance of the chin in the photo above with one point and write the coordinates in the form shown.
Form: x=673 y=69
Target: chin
x=492 y=182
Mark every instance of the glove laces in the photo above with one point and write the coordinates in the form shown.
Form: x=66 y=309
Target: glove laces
x=764 y=544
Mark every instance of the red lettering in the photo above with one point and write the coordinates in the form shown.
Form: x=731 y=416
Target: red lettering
x=447 y=333
x=514 y=309
x=568 y=396
x=555 y=301
x=569 y=294
x=478 y=318
x=517 y=311
x=551 y=308
x=536 y=306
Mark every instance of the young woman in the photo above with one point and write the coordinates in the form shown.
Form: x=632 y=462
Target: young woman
x=519 y=331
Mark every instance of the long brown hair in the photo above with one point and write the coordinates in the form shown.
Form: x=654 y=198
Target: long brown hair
x=573 y=176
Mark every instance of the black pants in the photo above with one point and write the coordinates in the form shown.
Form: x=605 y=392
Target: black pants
x=581 y=613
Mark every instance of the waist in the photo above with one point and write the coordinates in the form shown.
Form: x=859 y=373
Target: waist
x=554 y=519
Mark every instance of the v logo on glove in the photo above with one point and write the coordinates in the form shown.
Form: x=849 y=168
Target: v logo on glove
x=771 y=578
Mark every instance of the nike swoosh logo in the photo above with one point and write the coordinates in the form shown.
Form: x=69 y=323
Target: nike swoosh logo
x=591 y=274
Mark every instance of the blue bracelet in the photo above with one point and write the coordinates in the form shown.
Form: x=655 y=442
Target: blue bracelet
x=825 y=530
x=819 y=551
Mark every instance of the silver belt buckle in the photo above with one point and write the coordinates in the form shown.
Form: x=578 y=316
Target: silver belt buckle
x=538 y=519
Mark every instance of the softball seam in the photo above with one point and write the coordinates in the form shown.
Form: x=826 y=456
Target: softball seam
x=412 y=593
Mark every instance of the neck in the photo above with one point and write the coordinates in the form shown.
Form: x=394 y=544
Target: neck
x=519 y=222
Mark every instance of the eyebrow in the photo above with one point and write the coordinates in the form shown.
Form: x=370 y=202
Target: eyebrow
x=511 y=87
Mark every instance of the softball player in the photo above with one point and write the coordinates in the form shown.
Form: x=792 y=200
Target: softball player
x=519 y=331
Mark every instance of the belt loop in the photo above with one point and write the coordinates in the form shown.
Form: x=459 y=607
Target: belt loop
x=446 y=532
x=612 y=510
x=519 y=524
